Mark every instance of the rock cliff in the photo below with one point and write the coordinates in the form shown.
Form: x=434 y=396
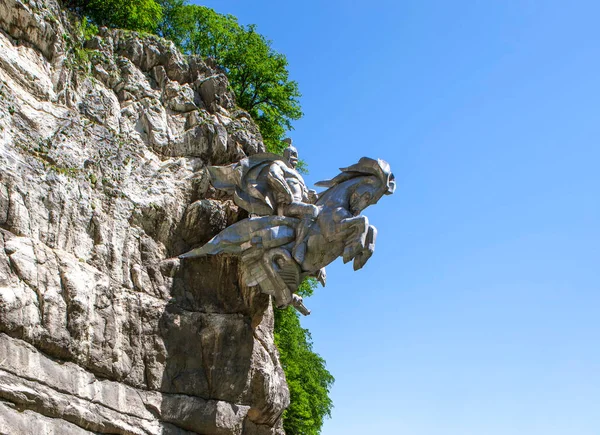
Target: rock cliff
x=104 y=145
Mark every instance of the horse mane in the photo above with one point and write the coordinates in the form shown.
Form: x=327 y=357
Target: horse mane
x=366 y=166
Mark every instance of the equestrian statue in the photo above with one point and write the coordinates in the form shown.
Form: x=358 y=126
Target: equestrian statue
x=293 y=232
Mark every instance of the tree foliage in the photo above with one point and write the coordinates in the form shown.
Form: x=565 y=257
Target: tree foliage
x=308 y=379
x=257 y=73
x=138 y=15
x=175 y=24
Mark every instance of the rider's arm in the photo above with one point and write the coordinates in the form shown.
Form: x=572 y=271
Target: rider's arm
x=276 y=179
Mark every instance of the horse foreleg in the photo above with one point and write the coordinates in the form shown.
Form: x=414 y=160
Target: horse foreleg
x=359 y=226
x=361 y=259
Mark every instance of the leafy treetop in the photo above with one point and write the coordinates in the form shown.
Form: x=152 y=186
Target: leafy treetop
x=258 y=74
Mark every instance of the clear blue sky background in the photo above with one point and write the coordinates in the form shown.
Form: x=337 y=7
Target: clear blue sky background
x=479 y=312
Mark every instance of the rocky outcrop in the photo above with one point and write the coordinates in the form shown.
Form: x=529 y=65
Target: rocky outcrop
x=103 y=150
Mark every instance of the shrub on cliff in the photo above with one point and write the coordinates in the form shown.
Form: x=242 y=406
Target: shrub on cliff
x=139 y=15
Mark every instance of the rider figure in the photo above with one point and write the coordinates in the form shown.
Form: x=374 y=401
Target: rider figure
x=292 y=197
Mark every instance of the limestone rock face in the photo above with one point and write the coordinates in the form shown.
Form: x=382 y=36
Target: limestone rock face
x=103 y=152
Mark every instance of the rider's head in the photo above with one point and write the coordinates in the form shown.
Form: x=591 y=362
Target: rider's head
x=290 y=153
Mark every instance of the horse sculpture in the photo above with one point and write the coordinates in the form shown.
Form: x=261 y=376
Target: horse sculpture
x=280 y=249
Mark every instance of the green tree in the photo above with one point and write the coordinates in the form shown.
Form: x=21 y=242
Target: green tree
x=258 y=74
x=138 y=15
x=307 y=377
x=176 y=23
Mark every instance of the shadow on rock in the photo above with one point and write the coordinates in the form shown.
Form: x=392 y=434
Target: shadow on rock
x=221 y=367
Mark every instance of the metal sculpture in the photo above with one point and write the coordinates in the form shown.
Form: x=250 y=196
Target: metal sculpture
x=293 y=232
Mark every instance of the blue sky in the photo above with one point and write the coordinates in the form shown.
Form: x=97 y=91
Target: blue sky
x=478 y=313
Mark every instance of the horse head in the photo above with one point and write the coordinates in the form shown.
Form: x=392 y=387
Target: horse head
x=359 y=185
